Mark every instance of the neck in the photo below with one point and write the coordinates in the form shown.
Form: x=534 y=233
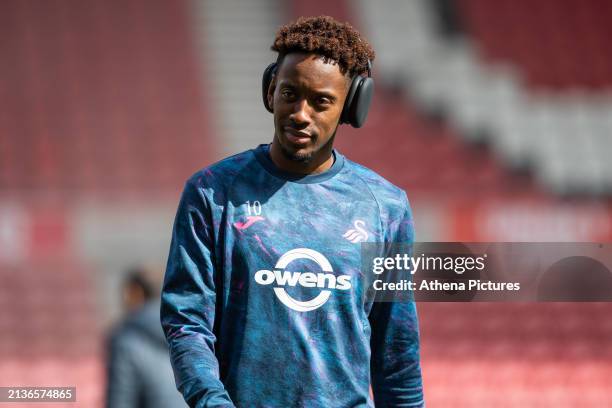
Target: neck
x=320 y=162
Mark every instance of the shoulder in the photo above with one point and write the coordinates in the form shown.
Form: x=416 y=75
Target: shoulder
x=121 y=339
x=390 y=198
x=223 y=171
x=394 y=208
x=212 y=183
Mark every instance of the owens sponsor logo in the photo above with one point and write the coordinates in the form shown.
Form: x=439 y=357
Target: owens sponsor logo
x=325 y=280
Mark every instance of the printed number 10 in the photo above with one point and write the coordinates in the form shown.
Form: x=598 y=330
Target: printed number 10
x=254 y=209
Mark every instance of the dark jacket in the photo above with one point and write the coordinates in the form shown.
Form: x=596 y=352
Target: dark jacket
x=139 y=371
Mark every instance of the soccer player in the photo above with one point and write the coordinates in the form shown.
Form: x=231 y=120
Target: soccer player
x=264 y=302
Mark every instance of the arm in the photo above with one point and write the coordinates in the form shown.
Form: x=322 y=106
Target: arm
x=122 y=389
x=395 y=365
x=188 y=304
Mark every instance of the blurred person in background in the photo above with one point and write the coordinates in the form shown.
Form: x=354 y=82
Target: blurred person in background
x=244 y=329
x=139 y=371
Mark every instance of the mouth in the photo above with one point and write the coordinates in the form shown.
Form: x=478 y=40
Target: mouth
x=297 y=137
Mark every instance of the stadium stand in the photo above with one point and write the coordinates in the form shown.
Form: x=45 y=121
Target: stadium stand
x=513 y=355
x=234 y=38
x=49 y=325
x=556 y=135
x=557 y=45
x=101 y=97
x=560 y=50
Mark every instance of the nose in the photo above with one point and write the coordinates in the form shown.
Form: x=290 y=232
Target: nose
x=301 y=113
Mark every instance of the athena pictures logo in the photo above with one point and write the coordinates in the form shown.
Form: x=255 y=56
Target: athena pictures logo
x=281 y=277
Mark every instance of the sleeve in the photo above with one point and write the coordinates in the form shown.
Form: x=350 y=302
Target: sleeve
x=395 y=362
x=188 y=304
x=122 y=387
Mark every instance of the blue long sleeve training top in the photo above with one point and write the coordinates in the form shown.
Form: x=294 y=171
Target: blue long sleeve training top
x=264 y=302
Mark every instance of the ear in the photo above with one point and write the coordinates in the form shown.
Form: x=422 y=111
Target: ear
x=270 y=94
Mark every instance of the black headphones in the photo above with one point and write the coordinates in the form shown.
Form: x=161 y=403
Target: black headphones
x=357 y=101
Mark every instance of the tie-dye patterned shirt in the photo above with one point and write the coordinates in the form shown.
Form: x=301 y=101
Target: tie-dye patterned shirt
x=264 y=301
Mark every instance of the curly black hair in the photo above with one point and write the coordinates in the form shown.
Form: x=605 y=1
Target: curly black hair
x=325 y=36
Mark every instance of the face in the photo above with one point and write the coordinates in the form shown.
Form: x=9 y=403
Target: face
x=307 y=95
x=133 y=297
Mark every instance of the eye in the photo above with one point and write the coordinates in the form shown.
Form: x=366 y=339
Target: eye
x=323 y=101
x=287 y=94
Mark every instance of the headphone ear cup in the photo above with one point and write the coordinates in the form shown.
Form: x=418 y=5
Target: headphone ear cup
x=358 y=101
x=361 y=102
x=265 y=84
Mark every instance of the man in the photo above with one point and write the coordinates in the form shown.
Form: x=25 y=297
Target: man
x=264 y=303
x=139 y=373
